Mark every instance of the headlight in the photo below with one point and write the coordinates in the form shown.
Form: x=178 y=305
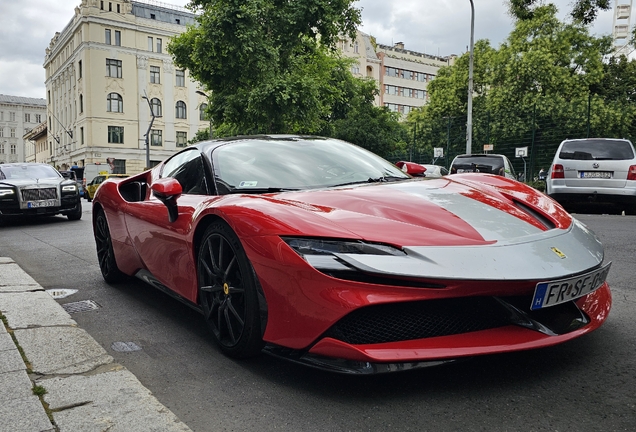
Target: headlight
x=323 y=254
x=70 y=188
x=6 y=192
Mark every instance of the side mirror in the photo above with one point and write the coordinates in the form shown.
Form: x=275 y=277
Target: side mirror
x=411 y=168
x=167 y=190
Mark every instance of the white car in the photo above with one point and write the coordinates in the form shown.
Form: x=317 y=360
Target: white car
x=594 y=170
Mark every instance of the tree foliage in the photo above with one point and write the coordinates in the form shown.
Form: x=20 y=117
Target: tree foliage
x=267 y=64
x=540 y=86
x=583 y=11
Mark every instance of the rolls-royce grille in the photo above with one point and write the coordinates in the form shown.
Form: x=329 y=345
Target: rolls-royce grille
x=418 y=320
x=39 y=194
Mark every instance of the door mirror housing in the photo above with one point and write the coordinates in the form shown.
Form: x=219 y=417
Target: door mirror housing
x=167 y=190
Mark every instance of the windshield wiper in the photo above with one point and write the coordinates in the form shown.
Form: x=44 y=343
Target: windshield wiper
x=373 y=180
x=261 y=190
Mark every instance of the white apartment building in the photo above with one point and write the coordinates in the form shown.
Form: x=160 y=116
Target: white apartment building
x=103 y=72
x=18 y=115
x=402 y=75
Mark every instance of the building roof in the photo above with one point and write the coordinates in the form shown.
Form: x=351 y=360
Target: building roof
x=21 y=100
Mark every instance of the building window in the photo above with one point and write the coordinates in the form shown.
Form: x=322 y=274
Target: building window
x=180 y=74
x=116 y=134
x=392 y=107
x=11 y=116
x=12 y=132
x=38 y=118
x=356 y=47
x=156 y=107
x=27 y=118
x=114 y=103
x=12 y=148
x=79 y=68
x=1 y=148
x=110 y=6
x=155 y=137
x=149 y=43
x=152 y=16
x=202 y=111
x=420 y=94
x=181 y=110
x=101 y=4
x=182 y=139
x=355 y=69
x=117 y=36
x=81 y=104
x=113 y=68
x=154 y=74
x=81 y=136
x=1 y=132
x=107 y=37
x=177 y=20
x=118 y=8
x=119 y=166
x=391 y=90
x=389 y=71
x=158 y=45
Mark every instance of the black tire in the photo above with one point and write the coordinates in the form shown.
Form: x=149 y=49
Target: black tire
x=88 y=196
x=105 y=253
x=77 y=214
x=228 y=292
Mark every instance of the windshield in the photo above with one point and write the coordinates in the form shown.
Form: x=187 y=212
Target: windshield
x=285 y=164
x=597 y=150
x=27 y=171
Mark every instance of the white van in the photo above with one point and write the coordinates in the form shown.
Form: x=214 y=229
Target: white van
x=93 y=170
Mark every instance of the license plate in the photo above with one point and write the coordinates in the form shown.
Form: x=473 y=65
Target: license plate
x=596 y=174
x=44 y=203
x=552 y=293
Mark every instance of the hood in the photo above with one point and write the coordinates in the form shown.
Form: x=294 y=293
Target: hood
x=436 y=212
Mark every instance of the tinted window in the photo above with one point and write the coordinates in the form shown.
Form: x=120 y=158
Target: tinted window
x=483 y=164
x=187 y=169
x=296 y=164
x=597 y=150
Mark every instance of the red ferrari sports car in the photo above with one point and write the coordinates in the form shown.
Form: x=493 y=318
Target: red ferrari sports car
x=321 y=252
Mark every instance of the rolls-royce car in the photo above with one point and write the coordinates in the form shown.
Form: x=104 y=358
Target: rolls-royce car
x=36 y=189
x=320 y=252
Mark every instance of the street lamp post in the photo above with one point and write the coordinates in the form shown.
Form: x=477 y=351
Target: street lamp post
x=469 y=121
x=152 y=120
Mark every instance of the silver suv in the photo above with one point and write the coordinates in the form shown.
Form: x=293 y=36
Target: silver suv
x=594 y=170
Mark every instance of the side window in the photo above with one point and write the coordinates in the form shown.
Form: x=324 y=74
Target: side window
x=187 y=168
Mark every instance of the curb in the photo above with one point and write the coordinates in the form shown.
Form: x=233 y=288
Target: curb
x=84 y=388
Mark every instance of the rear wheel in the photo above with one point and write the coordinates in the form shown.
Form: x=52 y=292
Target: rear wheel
x=105 y=253
x=228 y=293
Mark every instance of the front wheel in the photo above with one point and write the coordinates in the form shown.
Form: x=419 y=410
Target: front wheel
x=105 y=253
x=77 y=214
x=228 y=292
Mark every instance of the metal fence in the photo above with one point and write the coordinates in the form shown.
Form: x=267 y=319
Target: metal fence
x=541 y=131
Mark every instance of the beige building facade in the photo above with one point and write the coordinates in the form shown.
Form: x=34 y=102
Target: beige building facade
x=402 y=76
x=104 y=72
x=36 y=144
x=18 y=116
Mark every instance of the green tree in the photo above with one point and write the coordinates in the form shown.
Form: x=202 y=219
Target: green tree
x=583 y=11
x=268 y=64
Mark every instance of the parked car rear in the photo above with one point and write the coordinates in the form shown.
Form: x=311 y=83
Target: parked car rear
x=594 y=170
x=483 y=163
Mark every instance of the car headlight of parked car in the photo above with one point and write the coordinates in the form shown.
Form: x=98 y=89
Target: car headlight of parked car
x=6 y=193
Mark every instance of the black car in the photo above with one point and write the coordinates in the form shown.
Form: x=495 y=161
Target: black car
x=35 y=189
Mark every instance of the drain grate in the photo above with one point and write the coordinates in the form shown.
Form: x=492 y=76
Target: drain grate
x=125 y=346
x=80 y=306
x=60 y=293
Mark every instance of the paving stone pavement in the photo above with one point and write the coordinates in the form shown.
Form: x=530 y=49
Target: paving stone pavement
x=85 y=389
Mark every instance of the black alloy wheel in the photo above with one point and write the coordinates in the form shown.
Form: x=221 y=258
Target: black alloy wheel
x=77 y=213
x=228 y=293
x=105 y=253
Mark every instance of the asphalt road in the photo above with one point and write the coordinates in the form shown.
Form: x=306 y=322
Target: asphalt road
x=586 y=384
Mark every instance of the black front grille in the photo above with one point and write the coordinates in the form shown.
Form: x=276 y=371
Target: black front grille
x=39 y=194
x=418 y=320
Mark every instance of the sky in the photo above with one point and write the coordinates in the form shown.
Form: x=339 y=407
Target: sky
x=436 y=27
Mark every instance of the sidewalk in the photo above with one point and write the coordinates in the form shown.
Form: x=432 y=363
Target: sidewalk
x=85 y=389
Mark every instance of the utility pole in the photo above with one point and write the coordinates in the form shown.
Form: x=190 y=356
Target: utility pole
x=469 y=122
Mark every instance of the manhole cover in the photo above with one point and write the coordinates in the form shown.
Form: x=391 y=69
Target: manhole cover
x=125 y=346
x=60 y=293
x=80 y=306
